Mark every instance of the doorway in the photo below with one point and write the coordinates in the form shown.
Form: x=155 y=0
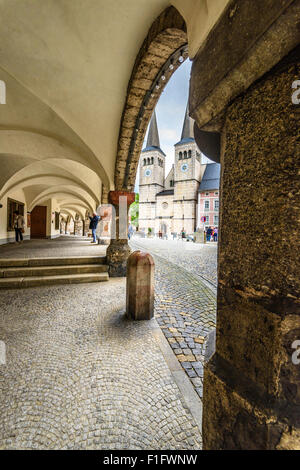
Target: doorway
x=39 y=222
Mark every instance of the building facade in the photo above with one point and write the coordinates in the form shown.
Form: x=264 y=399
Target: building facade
x=208 y=197
x=172 y=203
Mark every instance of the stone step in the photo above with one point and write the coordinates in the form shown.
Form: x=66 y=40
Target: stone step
x=21 y=282
x=62 y=261
x=27 y=271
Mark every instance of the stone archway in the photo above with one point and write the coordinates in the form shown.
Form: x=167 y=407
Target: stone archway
x=251 y=387
x=162 y=52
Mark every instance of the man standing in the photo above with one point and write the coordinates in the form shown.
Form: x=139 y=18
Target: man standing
x=19 y=226
x=93 y=225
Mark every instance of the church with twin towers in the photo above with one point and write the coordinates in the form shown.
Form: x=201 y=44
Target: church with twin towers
x=172 y=203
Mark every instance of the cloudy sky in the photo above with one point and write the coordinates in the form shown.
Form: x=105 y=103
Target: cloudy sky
x=170 y=111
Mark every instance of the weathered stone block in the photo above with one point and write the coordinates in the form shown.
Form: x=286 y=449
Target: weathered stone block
x=140 y=286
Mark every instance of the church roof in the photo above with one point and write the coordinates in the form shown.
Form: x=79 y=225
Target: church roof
x=166 y=192
x=153 y=137
x=187 y=134
x=211 y=177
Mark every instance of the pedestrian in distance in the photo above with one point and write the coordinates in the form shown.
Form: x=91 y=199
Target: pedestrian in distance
x=130 y=231
x=19 y=226
x=93 y=225
x=208 y=234
x=215 y=234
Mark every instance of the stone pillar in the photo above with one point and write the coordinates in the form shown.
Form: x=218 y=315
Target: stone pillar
x=118 y=251
x=140 y=286
x=252 y=383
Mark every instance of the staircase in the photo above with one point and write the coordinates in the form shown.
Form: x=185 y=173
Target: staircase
x=19 y=273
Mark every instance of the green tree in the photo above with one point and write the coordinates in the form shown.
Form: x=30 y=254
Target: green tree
x=134 y=211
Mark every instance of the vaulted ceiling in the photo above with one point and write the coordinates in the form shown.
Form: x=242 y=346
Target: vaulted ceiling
x=66 y=65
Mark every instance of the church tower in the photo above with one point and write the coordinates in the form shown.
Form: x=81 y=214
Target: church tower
x=187 y=177
x=152 y=177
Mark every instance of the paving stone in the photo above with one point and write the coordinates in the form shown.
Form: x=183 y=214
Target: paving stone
x=80 y=376
x=183 y=302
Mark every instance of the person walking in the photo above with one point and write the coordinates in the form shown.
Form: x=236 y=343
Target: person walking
x=215 y=234
x=19 y=226
x=93 y=225
x=130 y=231
x=208 y=234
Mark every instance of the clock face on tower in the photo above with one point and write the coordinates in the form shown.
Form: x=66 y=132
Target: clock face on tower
x=148 y=172
x=184 y=167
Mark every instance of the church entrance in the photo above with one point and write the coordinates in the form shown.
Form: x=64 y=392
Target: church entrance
x=39 y=222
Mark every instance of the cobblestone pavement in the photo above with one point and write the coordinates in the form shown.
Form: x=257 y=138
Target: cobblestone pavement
x=62 y=246
x=78 y=375
x=185 y=305
x=197 y=258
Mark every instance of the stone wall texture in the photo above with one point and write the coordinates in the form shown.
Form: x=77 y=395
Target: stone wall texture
x=252 y=388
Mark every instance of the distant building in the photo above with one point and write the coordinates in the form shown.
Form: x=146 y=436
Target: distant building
x=208 y=196
x=171 y=204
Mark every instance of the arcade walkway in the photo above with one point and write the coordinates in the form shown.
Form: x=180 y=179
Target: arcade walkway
x=62 y=246
x=78 y=375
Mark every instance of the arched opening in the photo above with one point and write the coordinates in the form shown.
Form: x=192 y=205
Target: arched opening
x=162 y=52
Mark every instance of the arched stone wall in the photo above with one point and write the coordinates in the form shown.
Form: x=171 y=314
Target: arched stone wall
x=157 y=60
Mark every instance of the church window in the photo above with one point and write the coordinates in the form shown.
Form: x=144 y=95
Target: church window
x=180 y=155
x=148 y=161
x=144 y=161
x=152 y=160
x=185 y=154
x=190 y=154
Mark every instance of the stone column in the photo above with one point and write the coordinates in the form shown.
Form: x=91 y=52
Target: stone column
x=118 y=250
x=252 y=383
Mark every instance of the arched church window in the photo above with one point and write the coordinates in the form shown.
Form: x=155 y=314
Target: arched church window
x=190 y=154
x=152 y=160
x=148 y=161
x=144 y=161
x=185 y=154
x=180 y=155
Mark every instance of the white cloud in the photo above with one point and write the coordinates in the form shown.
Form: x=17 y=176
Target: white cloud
x=168 y=134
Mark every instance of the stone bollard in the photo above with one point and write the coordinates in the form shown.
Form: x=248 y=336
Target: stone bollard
x=140 y=286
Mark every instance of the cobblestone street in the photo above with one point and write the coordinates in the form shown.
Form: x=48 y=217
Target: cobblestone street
x=185 y=303
x=198 y=259
x=78 y=375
